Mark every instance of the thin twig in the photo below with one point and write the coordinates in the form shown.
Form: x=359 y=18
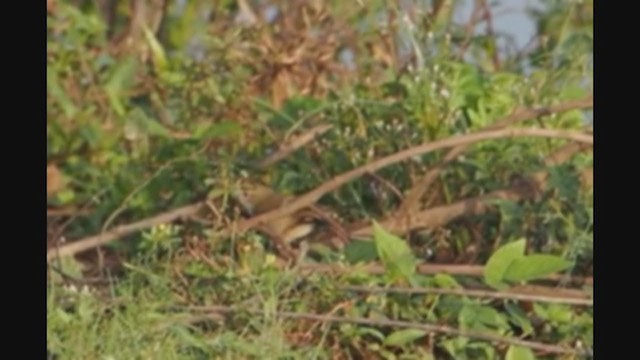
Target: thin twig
x=442 y=329
x=384 y=182
x=578 y=298
x=422 y=269
x=470 y=28
x=121 y=231
x=314 y=195
x=146 y=182
x=294 y=145
x=60 y=230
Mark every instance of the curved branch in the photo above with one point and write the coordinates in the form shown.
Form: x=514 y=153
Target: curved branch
x=441 y=215
x=309 y=198
x=412 y=198
x=121 y=231
x=314 y=195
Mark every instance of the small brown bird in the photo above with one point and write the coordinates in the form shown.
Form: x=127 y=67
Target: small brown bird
x=256 y=198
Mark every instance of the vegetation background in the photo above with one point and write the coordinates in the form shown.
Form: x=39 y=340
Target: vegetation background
x=155 y=105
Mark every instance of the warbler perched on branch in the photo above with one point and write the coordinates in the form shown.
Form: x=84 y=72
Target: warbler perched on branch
x=256 y=198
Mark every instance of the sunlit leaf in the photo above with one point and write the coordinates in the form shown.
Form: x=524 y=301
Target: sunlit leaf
x=395 y=254
x=403 y=337
x=500 y=261
x=157 y=51
x=519 y=353
x=535 y=266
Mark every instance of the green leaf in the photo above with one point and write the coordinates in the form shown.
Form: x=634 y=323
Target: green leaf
x=360 y=251
x=446 y=281
x=483 y=318
x=138 y=124
x=500 y=261
x=403 y=337
x=519 y=318
x=58 y=93
x=66 y=196
x=63 y=316
x=159 y=56
x=554 y=313
x=371 y=332
x=572 y=92
x=395 y=254
x=519 y=353
x=218 y=130
x=121 y=79
x=534 y=267
x=152 y=127
x=70 y=266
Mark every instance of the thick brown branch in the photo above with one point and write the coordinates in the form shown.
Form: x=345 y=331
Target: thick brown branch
x=442 y=215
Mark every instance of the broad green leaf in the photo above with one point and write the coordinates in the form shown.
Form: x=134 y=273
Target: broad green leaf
x=360 y=251
x=371 y=332
x=555 y=313
x=403 y=337
x=467 y=316
x=491 y=317
x=446 y=281
x=483 y=318
x=519 y=353
x=395 y=254
x=500 y=261
x=153 y=127
x=138 y=124
x=534 y=267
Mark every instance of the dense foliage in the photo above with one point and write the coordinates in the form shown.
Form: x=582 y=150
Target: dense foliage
x=152 y=105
